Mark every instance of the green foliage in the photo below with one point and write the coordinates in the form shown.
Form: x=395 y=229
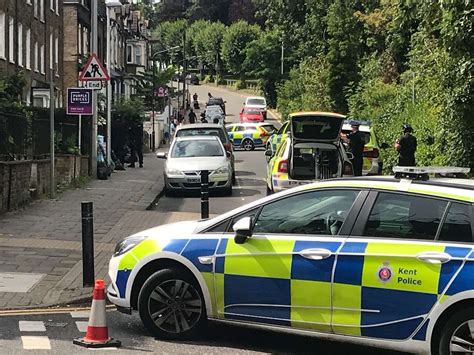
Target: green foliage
x=168 y=35
x=306 y=89
x=262 y=61
x=147 y=83
x=128 y=111
x=234 y=45
x=206 y=39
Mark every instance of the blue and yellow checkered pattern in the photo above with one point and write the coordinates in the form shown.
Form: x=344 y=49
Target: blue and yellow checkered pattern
x=268 y=281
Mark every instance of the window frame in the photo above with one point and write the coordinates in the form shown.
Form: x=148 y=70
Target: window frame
x=366 y=210
x=11 y=39
x=3 y=35
x=346 y=227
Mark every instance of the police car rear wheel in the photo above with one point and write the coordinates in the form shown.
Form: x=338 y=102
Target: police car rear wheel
x=247 y=144
x=171 y=305
x=457 y=335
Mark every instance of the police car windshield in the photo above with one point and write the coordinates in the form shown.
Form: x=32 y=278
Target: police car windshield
x=196 y=148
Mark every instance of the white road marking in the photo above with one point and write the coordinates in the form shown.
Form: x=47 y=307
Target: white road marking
x=36 y=343
x=82 y=326
x=80 y=314
x=31 y=326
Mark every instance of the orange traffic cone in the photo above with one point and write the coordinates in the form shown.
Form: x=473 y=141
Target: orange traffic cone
x=97 y=335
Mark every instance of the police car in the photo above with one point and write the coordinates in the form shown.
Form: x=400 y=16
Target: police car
x=247 y=136
x=380 y=261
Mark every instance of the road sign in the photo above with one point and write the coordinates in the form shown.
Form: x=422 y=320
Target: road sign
x=161 y=91
x=94 y=85
x=79 y=101
x=94 y=70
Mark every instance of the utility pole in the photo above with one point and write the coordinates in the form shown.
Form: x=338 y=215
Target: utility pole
x=109 y=88
x=51 y=134
x=282 y=56
x=94 y=41
x=184 y=72
x=153 y=133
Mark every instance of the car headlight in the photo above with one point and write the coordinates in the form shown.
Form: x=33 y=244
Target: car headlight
x=222 y=170
x=173 y=172
x=126 y=244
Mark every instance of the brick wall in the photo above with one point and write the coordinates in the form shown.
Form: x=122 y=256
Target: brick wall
x=25 y=180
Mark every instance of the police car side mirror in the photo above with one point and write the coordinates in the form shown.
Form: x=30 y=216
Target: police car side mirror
x=242 y=229
x=384 y=146
x=350 y=156
x=269 y=153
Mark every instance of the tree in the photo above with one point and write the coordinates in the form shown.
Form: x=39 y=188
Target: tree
x=263 y=61
x=168 y=35
x=211 y=10
x=344 y=51
x=206 y=39
x=234 y=44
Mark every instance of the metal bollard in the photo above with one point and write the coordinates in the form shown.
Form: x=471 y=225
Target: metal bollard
x=204 y=194
x=87 y=244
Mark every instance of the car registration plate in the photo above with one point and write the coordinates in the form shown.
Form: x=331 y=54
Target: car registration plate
x=193 y=180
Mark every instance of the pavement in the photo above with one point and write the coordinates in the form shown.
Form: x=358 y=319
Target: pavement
x=41 y=248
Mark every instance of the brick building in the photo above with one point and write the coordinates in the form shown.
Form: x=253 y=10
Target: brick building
x=31 y=40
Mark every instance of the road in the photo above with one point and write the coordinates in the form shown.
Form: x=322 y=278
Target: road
x=250 y=166
x=54 y=332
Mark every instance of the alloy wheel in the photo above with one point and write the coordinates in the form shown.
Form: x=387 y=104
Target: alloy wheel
x=248 y=145
x=175 y=306
x=462 y=340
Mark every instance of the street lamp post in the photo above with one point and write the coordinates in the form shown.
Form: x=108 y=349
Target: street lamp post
x=110 y=5
x=153 y=58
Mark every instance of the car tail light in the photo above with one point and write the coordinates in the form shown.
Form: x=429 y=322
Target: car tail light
x=228 y=147
x=374 y=153
x=283 y=166
x=348 y=169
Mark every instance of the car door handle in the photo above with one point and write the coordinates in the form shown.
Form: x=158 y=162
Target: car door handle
x=434 y=257
x=315 y=254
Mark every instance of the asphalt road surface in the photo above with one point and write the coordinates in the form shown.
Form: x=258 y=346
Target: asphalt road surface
x=53 y=333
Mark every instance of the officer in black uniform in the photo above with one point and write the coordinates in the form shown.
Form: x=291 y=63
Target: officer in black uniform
x=356 y=144
x=406 y=147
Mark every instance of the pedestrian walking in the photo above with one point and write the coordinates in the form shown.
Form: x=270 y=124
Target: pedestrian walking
x=195 y=97
x=192 y=116
x=406 y=147
x=356 y=142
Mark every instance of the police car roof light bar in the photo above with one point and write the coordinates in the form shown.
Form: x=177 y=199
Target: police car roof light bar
x=422 y=173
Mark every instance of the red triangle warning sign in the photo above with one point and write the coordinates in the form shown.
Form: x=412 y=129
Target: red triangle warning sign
x=94 y=70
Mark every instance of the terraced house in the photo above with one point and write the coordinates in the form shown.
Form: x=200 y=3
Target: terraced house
x=31 y=41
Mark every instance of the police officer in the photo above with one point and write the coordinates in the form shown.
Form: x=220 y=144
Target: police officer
x=356 y=145
x=192 y=116
x=406 y=147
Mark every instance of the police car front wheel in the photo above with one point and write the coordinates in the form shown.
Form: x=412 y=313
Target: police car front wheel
x=248 y=145
x=457 y=336
x=171 y=305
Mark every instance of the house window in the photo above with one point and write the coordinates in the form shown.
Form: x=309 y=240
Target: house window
x=2 y=34
x=129 y=53
x=56 y=54
x=42 y=58
x=36 y=57
x=11 y=45
x=51 y=5
x=20 y=44
x=42 y=10
x=51 y=53
x=28 y=2
x=36 y=8
x=28 y=49
x=57 y=7
x=138 y=55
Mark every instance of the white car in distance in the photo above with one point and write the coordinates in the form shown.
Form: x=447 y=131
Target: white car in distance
x=257 y=102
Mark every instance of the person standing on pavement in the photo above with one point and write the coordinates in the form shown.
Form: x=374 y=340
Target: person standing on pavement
x=136 y=144
x=356 y=145
x=192 y=117
x=406 y=147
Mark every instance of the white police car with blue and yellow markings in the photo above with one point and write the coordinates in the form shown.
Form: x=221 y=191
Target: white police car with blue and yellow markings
x=377 y=261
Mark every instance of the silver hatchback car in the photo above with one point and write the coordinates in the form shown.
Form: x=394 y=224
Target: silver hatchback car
x=189 y=156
